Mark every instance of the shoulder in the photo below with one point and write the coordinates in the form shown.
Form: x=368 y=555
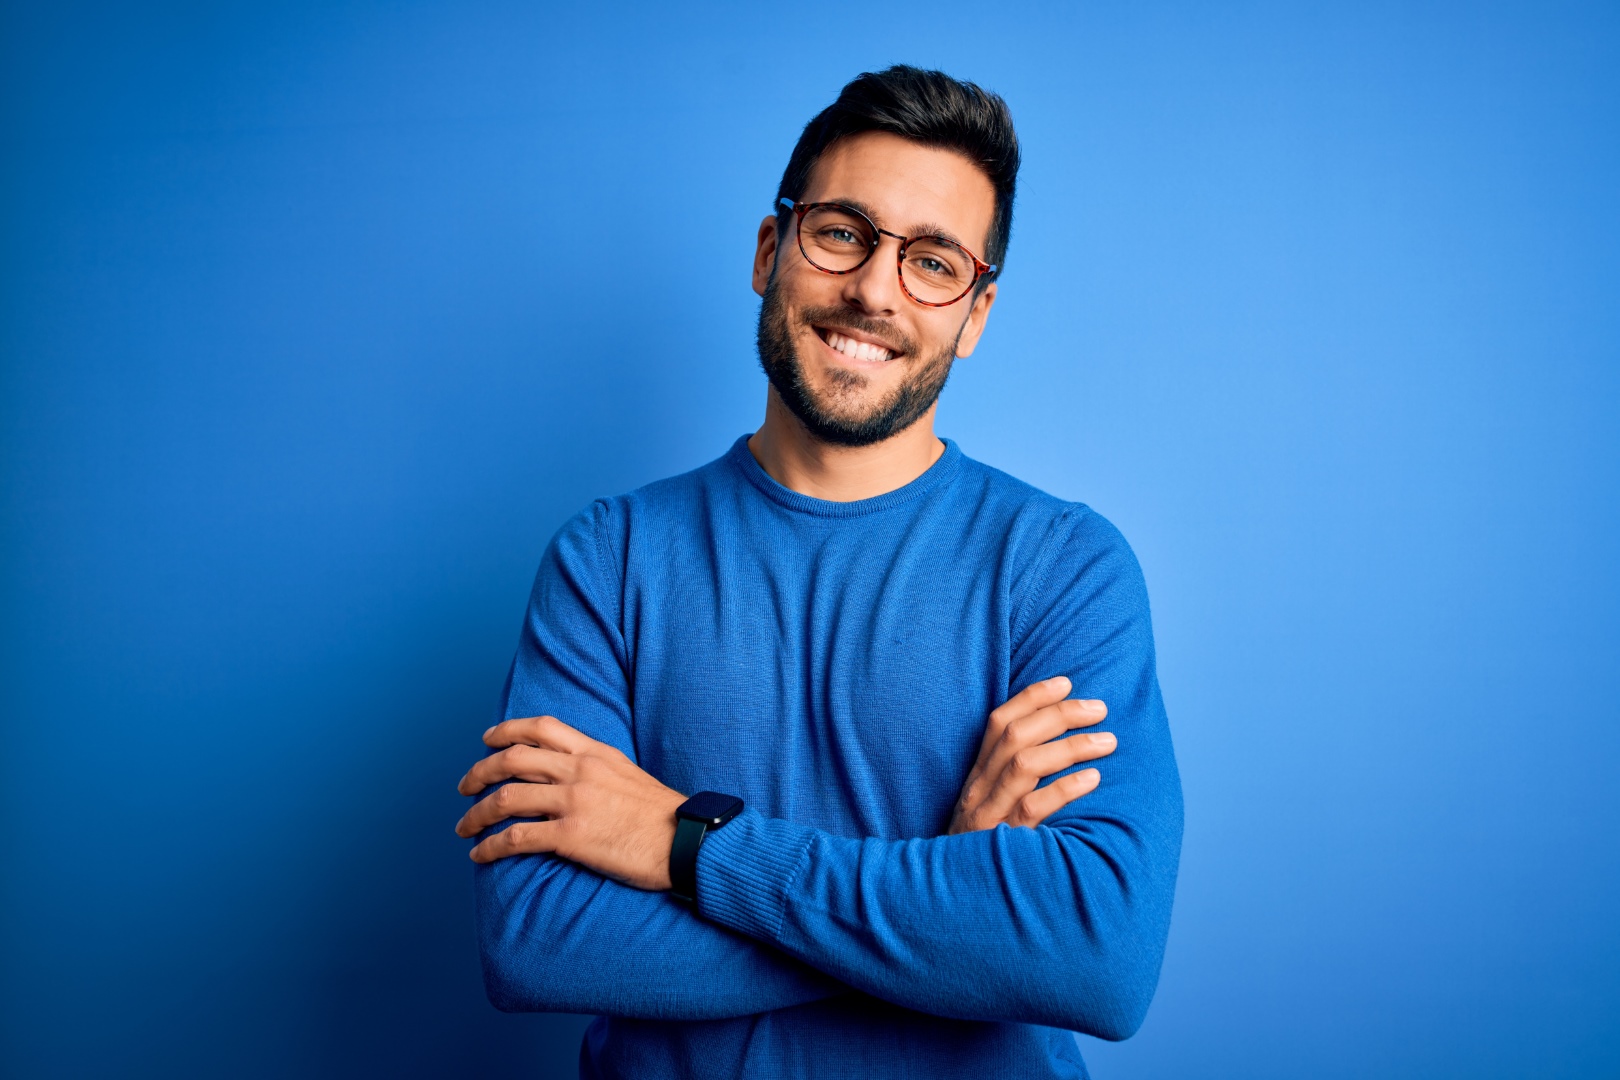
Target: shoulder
x=1087 y=577
x=601 y=532
x=1047 y=531
x=1068 y=556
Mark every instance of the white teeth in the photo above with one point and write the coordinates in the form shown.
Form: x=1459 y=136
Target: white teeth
x=858 y=350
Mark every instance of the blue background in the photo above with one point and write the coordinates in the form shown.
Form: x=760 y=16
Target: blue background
x=316 y=321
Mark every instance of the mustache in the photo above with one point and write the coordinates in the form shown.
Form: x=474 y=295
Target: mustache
x=842 y=318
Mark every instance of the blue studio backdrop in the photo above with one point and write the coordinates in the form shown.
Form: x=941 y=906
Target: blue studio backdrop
x=317 y=320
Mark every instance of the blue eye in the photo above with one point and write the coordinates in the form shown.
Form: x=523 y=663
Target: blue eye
x=931 y=266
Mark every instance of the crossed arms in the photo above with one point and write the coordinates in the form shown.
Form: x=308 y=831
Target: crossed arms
x=1059 y=920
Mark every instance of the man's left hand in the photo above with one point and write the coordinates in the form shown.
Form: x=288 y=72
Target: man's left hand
x=601 y=809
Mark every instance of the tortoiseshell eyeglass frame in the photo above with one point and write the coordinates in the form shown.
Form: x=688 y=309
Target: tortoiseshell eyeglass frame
x=980 y=267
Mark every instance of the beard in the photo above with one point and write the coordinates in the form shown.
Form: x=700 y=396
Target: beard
x=885 y=419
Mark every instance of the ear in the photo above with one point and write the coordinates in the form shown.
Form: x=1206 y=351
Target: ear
x=975 y=322
x=765 y=254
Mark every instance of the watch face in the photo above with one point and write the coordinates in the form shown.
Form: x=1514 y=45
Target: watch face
x=711 y=808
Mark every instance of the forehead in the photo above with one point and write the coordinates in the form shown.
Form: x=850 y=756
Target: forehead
x=908 y=187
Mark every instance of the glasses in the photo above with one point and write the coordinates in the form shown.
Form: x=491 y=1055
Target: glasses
x=838 y=239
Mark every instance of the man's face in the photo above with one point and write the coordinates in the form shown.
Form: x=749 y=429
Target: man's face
x=852 y=355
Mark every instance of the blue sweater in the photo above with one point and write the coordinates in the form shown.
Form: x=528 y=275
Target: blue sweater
x=834 y=664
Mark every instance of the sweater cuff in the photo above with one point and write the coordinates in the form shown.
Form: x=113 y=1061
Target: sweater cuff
x=744 y=871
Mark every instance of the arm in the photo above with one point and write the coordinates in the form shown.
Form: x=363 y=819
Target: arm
x=558 y=936
x=555 y=936
x=1063 y=924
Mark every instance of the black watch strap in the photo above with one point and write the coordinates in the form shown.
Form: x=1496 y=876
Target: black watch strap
x=697 y=816
x=683 y=858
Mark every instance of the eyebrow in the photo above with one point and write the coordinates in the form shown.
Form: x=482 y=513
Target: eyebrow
x=925 y=229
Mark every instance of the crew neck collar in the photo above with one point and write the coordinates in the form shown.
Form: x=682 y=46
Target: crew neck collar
x=937 y=474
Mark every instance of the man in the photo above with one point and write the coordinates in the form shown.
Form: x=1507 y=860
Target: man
x=907 y=871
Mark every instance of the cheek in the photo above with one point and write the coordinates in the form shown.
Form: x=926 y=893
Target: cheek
x=939 y=333
x=804 y=286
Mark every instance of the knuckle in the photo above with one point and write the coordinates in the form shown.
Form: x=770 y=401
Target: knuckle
x=1022 y=763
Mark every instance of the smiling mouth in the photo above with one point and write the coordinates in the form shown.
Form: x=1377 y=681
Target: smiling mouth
x=854 y=348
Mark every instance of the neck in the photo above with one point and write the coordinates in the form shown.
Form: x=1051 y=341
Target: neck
x=800 y=462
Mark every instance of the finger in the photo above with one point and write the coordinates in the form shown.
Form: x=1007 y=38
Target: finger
x=1031 y=698
x=1029 y=766
x=1031 y=729
x=520 y=762
x=524 y=838
x=509 y=801
x=1055 y=756
x=1042 y=803
x=545 y=731
x=1043 y=726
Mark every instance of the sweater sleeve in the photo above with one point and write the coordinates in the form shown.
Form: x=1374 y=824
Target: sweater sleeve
x=556 y=937
x=1063 y=924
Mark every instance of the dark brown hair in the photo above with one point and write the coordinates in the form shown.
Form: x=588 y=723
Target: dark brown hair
x=928 y=107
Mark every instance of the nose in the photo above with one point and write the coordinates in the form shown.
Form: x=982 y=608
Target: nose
x=874 y=289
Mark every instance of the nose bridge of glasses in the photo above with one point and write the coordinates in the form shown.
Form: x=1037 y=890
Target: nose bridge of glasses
x=930 y=286
x=878 y=270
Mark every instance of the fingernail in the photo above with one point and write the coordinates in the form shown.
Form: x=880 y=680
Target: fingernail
x=1103 y=738
x=488 y=730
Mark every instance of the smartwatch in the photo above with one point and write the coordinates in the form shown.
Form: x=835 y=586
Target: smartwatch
x=698 y=815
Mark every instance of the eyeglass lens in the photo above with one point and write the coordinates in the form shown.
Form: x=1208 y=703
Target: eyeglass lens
x=838 y=240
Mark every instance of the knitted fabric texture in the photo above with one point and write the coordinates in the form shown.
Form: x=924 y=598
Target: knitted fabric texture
x=834 y=665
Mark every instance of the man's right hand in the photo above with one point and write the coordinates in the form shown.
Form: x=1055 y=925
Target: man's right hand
x=1018 y=753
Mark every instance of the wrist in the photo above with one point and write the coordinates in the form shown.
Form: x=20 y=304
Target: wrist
x=695 y=819
x=663 y=833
